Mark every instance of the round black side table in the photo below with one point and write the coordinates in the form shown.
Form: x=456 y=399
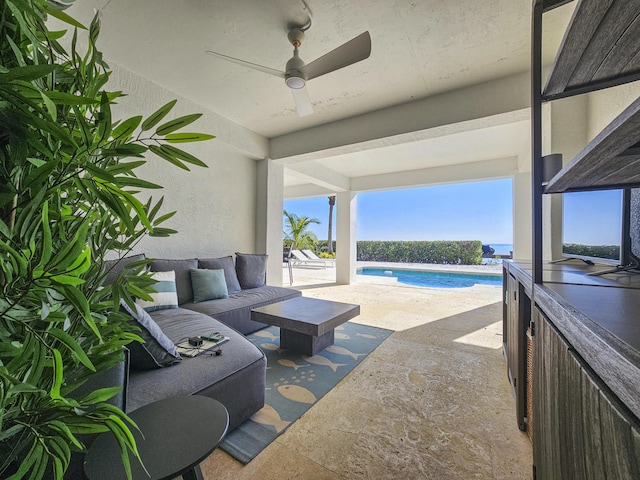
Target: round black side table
x=179 y=432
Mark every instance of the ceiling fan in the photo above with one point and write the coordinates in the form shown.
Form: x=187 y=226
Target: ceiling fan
x=297 y=73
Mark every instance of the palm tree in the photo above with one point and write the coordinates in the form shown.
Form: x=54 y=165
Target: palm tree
x=296 y=230
x=332 y=202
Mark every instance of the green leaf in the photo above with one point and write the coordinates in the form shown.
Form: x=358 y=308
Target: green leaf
x=22 y=388
x=182 y=155
x=125 y=150
x=10 y=432
x=100 y=173
x=66 y=280
x=170 y=158
x=62 y=427
x=177 y=124
x=73 y=249
x=63 y=98
x=80 y=303
x=27 y=73
x=72 y=345
x=33 y=457
x=60 y=15
x=125 y=167
x=157 y=116
x=126 y=128
x=47 y=245
x=58 y=374
x=51 y=107
x=162 y=232
x=188 y=137
x=136 y=182
x=104 y=118
x=164 y=218
x=101 y=395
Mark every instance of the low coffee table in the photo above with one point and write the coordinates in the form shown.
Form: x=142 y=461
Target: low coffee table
x=306 y=324
x=179 y=432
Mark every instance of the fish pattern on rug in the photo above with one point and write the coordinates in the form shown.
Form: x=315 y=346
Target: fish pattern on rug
x=295 y=382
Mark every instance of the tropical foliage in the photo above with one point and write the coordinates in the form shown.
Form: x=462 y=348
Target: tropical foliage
x=68 y=197
x=297 y=233
x=443 y=252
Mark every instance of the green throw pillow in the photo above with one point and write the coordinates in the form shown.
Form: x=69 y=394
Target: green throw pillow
x=208 y=284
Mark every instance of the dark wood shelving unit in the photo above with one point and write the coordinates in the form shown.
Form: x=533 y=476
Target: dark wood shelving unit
x=611 y=160
x=574 y=337
x=599 y=49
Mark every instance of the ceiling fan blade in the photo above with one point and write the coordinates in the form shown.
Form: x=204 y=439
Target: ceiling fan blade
x=346 y=54
x=303 y=102
x=244 y=63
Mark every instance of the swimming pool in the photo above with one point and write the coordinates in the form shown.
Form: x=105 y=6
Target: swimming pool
x=427 y=278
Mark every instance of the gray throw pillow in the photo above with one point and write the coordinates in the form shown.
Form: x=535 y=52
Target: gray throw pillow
x=157 y=351
x=113 y=268
x=208 y=285
x=183 y=279
x=225 y=263
x=251 y=270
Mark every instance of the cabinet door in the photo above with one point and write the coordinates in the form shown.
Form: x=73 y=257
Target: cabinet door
x=511 y=338
x=581 y=431
x=546 y=428
x=518 y=317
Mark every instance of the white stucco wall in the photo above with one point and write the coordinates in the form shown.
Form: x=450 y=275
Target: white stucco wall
x=605 y=105
x=216 y=206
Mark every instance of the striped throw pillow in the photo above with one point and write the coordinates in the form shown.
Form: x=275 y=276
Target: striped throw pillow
x=166 y=296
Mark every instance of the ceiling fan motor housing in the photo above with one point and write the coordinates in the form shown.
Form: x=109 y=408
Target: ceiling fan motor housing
x=293 y=76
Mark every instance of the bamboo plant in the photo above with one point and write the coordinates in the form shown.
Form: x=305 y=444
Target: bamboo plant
x=69 y=197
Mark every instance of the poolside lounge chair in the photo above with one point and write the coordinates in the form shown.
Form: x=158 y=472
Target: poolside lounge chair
x=301 y=259
x=328 y=261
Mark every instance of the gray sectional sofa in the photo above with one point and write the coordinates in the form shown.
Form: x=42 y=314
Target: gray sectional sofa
x=236 y=378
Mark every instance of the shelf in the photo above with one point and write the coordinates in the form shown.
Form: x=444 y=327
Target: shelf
x=610 y=160
x=599 y=50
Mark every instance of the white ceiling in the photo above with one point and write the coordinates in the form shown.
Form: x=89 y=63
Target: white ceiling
x=419 y=48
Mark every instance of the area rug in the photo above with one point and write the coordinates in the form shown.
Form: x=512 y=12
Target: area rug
x=295 y=382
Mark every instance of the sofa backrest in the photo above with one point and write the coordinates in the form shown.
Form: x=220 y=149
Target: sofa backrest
x=183 y=278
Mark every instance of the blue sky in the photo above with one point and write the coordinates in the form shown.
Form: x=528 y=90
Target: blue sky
x=465 y=211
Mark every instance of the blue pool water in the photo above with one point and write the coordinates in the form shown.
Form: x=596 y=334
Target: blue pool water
x=423 y=278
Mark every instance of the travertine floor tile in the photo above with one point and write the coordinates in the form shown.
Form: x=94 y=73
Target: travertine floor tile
x=432 y=402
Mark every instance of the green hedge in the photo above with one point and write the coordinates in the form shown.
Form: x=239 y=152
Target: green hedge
x=442 y=251
x=597 y=251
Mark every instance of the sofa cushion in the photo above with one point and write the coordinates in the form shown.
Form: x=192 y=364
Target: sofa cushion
x=236 y=310
x=251 y=269
x=226 y=263
x=208 y=284
x=157 y=350
x=236 y=378
x=113 y=268
x=183 y=279
x=165 y=292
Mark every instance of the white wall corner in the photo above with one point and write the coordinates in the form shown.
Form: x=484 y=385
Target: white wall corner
x=522 y=216
x=346 y=240
x=269 y=211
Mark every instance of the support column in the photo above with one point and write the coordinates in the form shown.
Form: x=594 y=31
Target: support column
x=269 y=210
x=521 y=194
x=346 y=246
